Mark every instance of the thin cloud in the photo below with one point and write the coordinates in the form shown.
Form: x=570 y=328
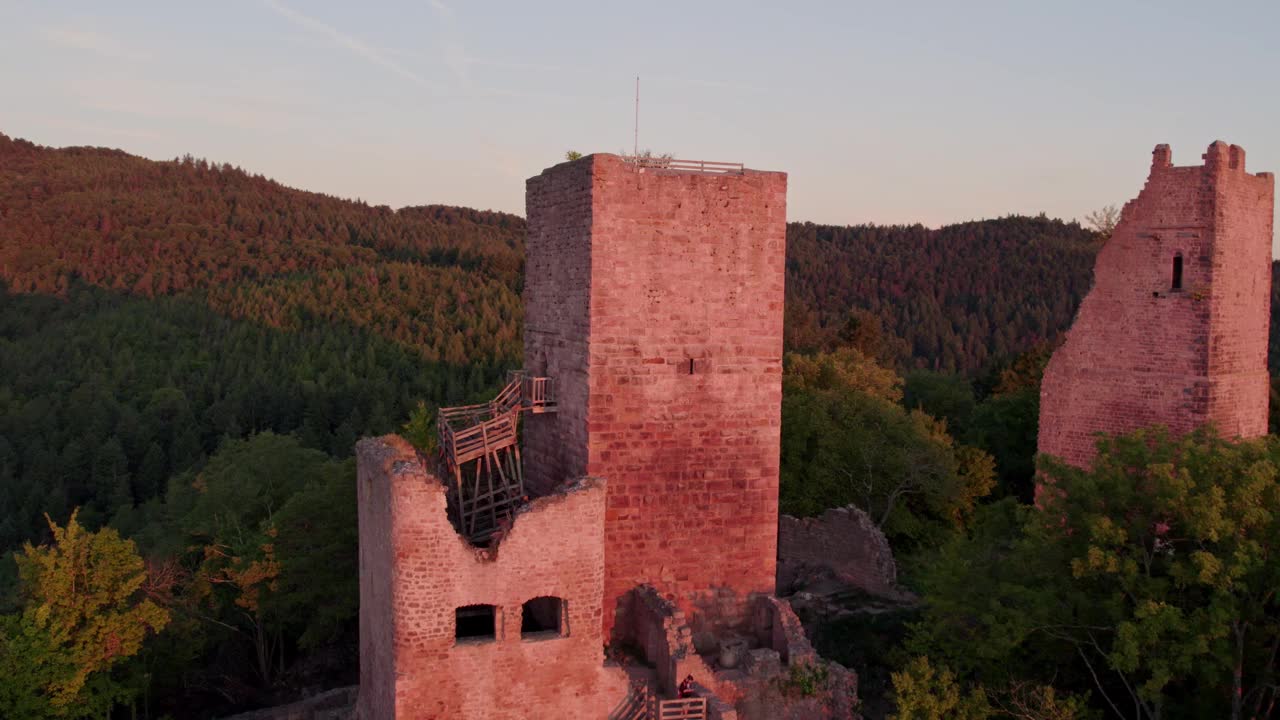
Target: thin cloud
x=530 y=67
x=455 y=55
x=93 y=42
x=347 y=42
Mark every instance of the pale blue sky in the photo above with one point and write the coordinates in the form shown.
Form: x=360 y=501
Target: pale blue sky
x=881 y=112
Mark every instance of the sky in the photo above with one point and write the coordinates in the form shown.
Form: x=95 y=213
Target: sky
x=905 y=112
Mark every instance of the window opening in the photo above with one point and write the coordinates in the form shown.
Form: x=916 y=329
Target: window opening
x=542 y=617
x=475 y=623
x=1177 y=271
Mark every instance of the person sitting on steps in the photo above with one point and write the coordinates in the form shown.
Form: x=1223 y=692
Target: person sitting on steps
x=686 y=687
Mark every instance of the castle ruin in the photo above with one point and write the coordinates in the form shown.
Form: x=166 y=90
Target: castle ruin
x=1174 y=331
x=638 y=508
x=621 y=491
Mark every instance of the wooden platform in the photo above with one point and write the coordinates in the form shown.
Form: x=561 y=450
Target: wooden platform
x=480 y=447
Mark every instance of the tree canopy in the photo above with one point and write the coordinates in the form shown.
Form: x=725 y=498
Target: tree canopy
x=84 y=611
x=1147 y=581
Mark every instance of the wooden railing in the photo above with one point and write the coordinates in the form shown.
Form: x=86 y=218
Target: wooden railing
x=539 y=393
x=508 y=399
x=473 y=442
x=638 y=705
x=693 y=708
x=707 y=167
x=468 y=431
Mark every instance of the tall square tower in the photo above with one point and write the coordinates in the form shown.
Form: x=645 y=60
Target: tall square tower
x=654 y=301
x=1175 y=329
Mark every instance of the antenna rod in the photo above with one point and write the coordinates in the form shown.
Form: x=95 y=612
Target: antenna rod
x=635 y=139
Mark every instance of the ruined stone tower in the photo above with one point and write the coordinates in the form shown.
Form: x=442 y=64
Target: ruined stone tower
x=653 y=299
x=646 y=495
x=1174 y=331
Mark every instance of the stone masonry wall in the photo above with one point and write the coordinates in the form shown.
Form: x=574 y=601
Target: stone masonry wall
x=683 y=356
x=416 y=571
x=557 y=302
x=845 y=540
x=1141 y=353
x=1240 y=303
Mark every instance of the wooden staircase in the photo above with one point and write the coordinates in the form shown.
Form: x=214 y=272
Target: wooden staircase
x=480 y=448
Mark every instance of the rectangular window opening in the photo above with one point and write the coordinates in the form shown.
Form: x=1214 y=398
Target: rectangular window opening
x=1177 y=272
x=476 y=623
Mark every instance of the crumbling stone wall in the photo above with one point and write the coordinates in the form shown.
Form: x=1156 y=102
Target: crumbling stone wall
x=655 y=301
x=778 y=628
x=416 y=571
x=1142 y=352
x=845 y=540
x=661 y=632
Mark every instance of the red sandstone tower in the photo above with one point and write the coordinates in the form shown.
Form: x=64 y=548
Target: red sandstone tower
x=653 y=298
x=1174 y=331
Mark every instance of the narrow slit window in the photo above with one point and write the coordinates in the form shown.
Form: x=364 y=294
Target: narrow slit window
x=1177 y=271
x=542 y=617
x=690 y=366
x=476 y=623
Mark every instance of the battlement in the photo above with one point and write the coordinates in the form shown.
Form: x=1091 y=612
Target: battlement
x=1219 y=157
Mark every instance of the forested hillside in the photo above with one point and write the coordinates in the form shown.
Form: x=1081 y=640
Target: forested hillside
x=444 y=281
x=960 y=297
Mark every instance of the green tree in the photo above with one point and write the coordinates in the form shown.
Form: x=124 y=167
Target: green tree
x=923 y=692
x=943 y=395
x=272 y=528
x=847 y=369
x=316 y=546
x=420 y=429
x=84 y=612
x=1006 y=425
x=1154 y=571
x=843 y=446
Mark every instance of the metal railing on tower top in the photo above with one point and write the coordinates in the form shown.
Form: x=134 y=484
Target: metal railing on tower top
x=668 y=164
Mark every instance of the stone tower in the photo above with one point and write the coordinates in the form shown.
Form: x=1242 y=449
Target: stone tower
x=653 y=299
x=1174 y=331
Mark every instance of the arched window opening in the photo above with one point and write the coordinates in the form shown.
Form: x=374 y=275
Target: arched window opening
x=476 y=623
x=543 y=617
x=1177 y=271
